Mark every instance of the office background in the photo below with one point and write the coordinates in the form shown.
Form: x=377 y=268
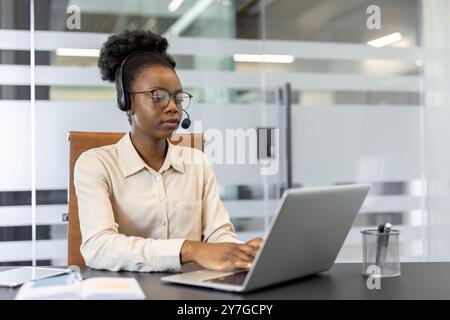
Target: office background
x=360 y=113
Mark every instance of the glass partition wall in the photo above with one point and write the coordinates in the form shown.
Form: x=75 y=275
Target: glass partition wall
x=288 y=94
x=15 y=135
x=357 y=106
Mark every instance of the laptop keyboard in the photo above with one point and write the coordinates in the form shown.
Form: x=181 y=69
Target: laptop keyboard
x=235 y=278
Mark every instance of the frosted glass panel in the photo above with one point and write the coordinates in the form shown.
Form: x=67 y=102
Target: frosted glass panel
x=53 y=122
x=378 y=115
x=338 y=144
x=15 y=167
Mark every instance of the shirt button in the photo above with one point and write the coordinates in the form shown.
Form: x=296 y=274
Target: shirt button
x=157 y=178
x=161 y=198
x=163 y=223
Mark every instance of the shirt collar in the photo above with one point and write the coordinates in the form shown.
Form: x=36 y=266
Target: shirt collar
x=173 y=158
x=131 y=162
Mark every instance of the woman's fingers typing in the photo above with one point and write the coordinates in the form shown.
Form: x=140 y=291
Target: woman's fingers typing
x=239 y=264
x=256 y=242
x=251 y=250
x=222 y=256
x=244 y=256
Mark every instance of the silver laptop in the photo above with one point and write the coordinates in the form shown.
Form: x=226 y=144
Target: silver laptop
x=305 y=237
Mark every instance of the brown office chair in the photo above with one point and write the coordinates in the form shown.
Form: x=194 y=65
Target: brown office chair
x=82 y=141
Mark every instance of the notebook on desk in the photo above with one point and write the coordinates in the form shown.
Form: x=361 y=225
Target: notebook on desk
x=67 y=287
x=18 y=276
x=306 y=234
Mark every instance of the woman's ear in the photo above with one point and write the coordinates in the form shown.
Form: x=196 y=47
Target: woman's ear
x=130 y=113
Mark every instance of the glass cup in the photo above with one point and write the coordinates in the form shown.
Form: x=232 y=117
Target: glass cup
x=381 y=257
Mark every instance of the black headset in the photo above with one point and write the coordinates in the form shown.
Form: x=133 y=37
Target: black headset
x=123 y=98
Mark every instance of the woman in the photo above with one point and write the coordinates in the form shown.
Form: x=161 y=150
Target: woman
x=144 y=205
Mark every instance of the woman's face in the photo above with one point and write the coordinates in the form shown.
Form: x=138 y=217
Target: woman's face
x=154 y=121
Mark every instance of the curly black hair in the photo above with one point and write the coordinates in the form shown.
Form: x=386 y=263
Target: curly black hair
x=120 y=46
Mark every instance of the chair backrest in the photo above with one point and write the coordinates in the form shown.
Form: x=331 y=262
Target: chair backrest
x=82 y=141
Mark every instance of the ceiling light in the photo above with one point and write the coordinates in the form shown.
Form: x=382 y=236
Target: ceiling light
x=266 y=58
x=174 y=5
x=187 y=18
x=386 y=40
x=77 y=52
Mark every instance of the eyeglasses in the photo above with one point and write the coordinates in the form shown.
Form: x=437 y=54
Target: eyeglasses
x=161 y=98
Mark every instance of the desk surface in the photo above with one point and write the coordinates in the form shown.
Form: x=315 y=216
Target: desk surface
x=343 y=281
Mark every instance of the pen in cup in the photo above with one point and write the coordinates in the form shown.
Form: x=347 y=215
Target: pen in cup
x=381 y=250
x=385 y=243
x=382 y=243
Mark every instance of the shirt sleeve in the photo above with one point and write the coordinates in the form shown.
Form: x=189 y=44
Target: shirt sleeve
x=216 y=220
x=103 y=247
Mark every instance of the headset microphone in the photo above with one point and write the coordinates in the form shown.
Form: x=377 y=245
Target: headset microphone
x=186 y=123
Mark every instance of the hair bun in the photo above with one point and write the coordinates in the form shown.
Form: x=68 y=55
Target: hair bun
x=119 y=46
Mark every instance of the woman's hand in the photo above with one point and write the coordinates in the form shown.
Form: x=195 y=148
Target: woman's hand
x=256 y=242
x=220 y=256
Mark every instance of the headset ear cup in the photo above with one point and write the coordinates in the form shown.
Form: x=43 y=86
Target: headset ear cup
x=119 y=89
x=127 y=101
x=120 y=100
x=123 y=97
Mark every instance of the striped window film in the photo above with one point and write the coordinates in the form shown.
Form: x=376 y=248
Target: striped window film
x=378 y=140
